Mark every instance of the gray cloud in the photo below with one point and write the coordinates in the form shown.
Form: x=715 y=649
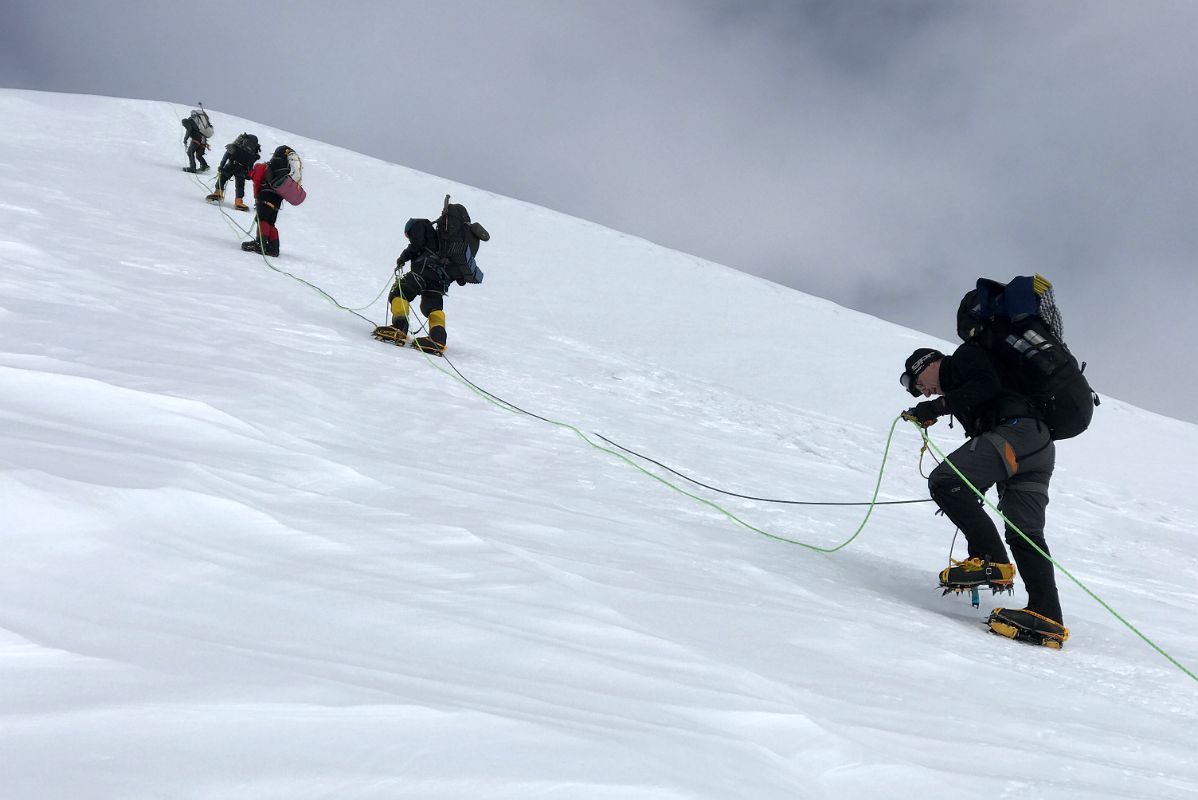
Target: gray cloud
x=882 y=155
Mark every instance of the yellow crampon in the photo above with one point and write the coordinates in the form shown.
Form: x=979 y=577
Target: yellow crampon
x=389 y=333
x=1035 y=635
x=989 y=573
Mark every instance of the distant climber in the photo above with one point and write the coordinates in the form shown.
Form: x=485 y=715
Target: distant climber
x=274 y=181
x=439 y=255
x=196 y=131
x=240 y=156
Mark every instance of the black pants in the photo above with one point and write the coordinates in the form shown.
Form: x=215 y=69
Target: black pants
x=238 y=177
x=1017 y=456
x=195 y=149
x=426 y=283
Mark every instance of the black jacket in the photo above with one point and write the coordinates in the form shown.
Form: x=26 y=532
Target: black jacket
x=422 y=243
x=979 y=390
x=190 y=131
x=231 y=166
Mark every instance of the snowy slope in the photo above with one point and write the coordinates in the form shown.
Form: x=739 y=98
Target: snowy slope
x=250 y=553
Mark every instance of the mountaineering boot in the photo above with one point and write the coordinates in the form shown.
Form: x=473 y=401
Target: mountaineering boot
x=192 y=170
x=237 y=204
x=215 y=197
x=427 y=344
x=435 y=341
x=271 y=248
x=975 y=572
x=252 y=246
x=1028 y=626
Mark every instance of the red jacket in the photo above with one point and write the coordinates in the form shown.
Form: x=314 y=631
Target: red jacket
x=289 y=190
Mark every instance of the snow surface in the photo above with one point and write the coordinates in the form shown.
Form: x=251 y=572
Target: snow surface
x=248 y=552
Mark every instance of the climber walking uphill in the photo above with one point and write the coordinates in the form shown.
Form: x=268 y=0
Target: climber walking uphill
x=196 y=132
x=439 y=254
x=239 y=158
x=274 y=181
x=1014 y=387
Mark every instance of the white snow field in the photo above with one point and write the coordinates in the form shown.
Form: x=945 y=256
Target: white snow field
x=248 y=552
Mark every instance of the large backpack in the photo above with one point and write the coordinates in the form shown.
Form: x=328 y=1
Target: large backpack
x=284 y=163
x=202 y=125
x=459 y=240
x=244 y=149
x=1020 y=324
x=283 y=174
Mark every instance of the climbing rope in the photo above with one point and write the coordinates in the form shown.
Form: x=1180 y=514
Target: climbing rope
x=616 y=453
x=512 y=407
x=435 y=361
x=500 y=402
x=982 y=496
x=759 y=499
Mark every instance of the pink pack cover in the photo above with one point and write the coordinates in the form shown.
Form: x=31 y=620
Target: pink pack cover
x=292 y=192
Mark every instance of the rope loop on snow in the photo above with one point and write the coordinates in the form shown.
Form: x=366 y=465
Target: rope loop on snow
x=512 y=407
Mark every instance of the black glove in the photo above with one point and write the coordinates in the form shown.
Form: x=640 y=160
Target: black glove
x=927 y=412
x=399 y=262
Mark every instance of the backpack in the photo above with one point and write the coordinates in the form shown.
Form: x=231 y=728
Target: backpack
x=244 y=149
x=459 y=240
x=200 y=123
x=284 y=163
x=283 y=174
x=1020 y=324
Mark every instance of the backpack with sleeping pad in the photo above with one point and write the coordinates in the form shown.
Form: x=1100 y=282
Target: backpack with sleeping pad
x=458 y=242
x=284 y=175
x=197 y=123
x=1019 y=323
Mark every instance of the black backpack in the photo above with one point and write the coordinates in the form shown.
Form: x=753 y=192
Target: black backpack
x=1020 y=324
x=244 y=149
x=459 y=240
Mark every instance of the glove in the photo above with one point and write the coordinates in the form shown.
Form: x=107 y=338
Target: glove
x=399 y=262
x=926 y=413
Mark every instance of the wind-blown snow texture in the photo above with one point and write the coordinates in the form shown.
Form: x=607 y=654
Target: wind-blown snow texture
x=251 y=553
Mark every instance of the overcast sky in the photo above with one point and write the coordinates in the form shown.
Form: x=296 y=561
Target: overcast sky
x=881 y=155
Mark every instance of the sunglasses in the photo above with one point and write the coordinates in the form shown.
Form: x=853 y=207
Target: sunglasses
x=909 y=377
x=908 y=383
